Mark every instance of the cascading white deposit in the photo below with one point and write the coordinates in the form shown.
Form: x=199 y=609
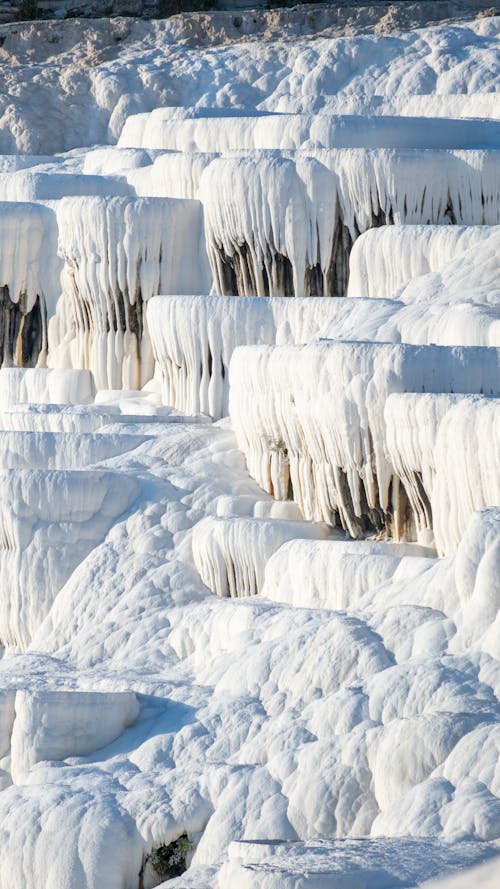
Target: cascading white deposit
x=310 y=421
x=443 y=449
x=117 y=254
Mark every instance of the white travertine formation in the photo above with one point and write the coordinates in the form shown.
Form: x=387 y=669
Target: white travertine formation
x=231 y=553
x=336 y=574
x=40 y=385
x=175 y=129
x=54 y=725
x=29 y=281
x=173 y=174
x=283 y=225
x=443 y=449
x=310 y=421
x=194 y=337
x=118 y=253
x=385 y=258
x=49 y=522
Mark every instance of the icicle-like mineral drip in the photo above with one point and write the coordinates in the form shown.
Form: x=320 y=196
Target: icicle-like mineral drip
x=310 y=420
x=29 y=272
x=117 y=254
x=443 y=449
x=231 y=553
x=385 y=258
x=269 y=225
x=194 y=337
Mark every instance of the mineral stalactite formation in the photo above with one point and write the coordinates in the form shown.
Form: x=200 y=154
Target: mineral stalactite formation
x=117 y=254
x=249 y=463
x=310 y=420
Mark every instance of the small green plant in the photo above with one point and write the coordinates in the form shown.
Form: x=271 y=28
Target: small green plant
x=169 y=860
x=28 y=10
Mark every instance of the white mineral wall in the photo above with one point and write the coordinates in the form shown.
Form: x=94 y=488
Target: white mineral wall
x=33 y=185
x=49 y=522
x=284 y=225
x=29 y=281
x=268 y=219
x=443 y=447
x=41 y=385
x=53 y=725
x=194 y=337
x=311 y=419
x=383 y=259
x=336 y=575
x=117 y=254
x=163 y=129
x=171 y=175
x=231 y=553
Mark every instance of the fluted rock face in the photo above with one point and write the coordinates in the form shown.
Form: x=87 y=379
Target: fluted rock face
x=310 y=421
x=118 y=253
x=28 y=282
x=279 y=225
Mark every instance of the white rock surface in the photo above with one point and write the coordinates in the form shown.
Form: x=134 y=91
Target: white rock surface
x=231 y=553
x=311 y=419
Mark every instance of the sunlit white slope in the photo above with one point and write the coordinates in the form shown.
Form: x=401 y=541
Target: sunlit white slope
x=256 y=707
x=49 y=522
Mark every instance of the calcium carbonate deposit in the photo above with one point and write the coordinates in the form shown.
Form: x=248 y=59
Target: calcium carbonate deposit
x=250 y=449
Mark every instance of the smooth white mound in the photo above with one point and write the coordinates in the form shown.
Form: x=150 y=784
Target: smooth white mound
x=194 y=337
x=49 y=522
x=231 y=553
x=109 y=160
x=151 y=245
x=53 y=725
x=311 y=419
